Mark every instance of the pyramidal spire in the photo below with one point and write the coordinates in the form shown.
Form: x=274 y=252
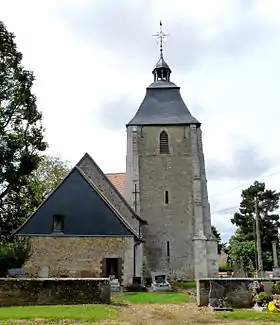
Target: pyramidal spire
x=161 y=70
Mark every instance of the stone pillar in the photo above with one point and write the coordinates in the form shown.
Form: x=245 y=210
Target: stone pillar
x=212 y=246
x=199 y=239
x=274 y=253
x=212 y=258
x=132 y=190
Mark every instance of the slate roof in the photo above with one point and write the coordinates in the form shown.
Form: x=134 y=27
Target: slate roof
x=163 y=105
x=121 y=197
x=78 y=199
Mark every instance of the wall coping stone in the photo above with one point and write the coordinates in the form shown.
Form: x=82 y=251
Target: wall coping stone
x=238 y=279
x=54 y=279
x=235 y=289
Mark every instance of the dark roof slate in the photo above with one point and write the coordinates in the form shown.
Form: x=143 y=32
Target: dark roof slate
x=87 y=211
x=163 y=105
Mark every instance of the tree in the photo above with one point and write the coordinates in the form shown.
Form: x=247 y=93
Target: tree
x=41 y=183
x=13 y=250
x=21 y=130
x=13 y=255
x=218 y=237
x=50 y=172
x=242 y=253
x=267 y=203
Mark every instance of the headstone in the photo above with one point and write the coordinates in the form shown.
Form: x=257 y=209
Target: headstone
x=43 y=272
x=114 y=283
x=276 y=272
x=238 y=272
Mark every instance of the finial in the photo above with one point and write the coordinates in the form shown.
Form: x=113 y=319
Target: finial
x=161 y=35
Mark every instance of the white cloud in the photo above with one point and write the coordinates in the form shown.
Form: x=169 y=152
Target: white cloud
x=77 y=75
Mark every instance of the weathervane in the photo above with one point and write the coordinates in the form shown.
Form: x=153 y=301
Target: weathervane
x=160 y=35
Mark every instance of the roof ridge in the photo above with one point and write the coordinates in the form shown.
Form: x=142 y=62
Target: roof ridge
x=115 y=173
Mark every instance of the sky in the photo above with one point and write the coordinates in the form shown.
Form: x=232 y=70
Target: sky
x=93 y=60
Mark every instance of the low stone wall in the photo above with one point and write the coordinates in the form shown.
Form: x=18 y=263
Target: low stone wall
x=237 y=290
x=22 y=292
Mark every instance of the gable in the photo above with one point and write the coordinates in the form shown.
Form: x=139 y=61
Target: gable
x=95 y=174
x=85 y=212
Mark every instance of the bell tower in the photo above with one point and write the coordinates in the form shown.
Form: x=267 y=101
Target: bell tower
x=166 y=182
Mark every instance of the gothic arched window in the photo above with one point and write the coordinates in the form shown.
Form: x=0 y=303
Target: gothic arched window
x=163 y=143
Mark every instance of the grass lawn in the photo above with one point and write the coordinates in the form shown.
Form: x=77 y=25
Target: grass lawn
x=185 y=285
x=145 y=308
x=156 y=297
x=75 y=312
x=249 y=315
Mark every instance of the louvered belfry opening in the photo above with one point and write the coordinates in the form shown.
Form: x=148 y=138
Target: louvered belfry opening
x=163 y=143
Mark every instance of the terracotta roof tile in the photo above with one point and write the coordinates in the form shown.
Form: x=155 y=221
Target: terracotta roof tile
x=117 y=179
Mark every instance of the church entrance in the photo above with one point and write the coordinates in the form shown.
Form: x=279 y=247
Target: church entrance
x=112 y=267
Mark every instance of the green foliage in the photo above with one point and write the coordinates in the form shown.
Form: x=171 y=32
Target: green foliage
x=13 y=255
x=242 y=253
x=224 y=268
x=185 y=284
x=21 y=130
x=221 y=245
x=244 y=220
x=276 y=288
x=42 y=181
x=262 y=297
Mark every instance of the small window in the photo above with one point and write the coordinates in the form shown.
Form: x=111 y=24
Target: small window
x=166 y=197
x=168 y=249
x=163 y=143
x=58 y=223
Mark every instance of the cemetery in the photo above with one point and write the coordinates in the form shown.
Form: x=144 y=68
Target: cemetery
x=86 y=300
x=81 y=246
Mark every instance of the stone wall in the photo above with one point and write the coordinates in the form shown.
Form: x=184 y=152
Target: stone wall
x=183 y=224
x=172 y=222
x=237 y=290
x=22 y=292
x=74 y=256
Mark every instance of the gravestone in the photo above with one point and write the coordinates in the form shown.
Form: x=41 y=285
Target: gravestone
x=43 y=272
x=238 y=272
x=276 y=272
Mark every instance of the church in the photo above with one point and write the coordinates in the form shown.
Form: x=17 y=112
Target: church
x=155 y=217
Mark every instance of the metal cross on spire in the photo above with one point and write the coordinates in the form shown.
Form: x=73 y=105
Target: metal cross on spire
x=161 y=35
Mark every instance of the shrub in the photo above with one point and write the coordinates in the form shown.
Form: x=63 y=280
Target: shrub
x=275 y=288
x=224 y=268
x=13 y=255
x=262 y=297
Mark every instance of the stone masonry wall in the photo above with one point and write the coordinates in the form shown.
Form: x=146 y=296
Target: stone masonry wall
x=172 y=222
x=75 y=256
x=92 y=172
x=237 y=290
x=21 y=292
